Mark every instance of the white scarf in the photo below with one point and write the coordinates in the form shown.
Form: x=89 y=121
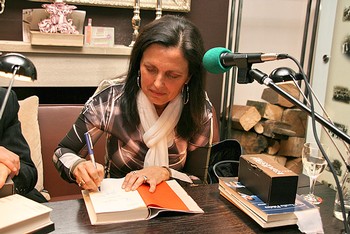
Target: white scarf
x=159 y=130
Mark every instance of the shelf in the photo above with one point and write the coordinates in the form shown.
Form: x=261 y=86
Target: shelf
x=26 y=47
x=68 y=66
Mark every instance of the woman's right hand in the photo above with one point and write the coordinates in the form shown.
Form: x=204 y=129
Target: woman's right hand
x=87 y=176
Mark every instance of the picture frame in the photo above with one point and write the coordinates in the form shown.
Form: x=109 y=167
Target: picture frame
x=167 y=5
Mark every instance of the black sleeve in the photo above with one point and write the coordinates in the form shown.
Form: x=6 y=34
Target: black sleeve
x=11 y=138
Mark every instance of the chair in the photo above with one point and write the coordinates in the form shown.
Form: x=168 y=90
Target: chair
x=224 y=160
x=221 y=159
x=55 y=120
x=197 y=163
x=225 y=168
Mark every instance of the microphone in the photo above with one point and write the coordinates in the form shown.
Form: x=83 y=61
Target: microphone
x=219 y=60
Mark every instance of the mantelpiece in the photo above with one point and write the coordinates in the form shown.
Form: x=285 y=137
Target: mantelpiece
x=167 y=5
x=59 y=66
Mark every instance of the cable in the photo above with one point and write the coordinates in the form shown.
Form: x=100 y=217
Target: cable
x=341 y=198
x=327 y=116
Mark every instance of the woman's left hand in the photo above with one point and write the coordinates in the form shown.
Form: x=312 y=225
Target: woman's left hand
x=151 y=175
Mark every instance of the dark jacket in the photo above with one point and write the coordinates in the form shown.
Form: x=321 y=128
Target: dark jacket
x=11 y=138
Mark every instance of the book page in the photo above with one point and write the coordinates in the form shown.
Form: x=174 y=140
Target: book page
x=164 y=197
x=187 y=199
x=113 y=198
x=169 y=195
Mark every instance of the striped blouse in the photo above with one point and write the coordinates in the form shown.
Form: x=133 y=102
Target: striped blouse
x=125 y=149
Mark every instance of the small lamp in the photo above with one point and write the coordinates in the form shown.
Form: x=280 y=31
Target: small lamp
x=16 y=67
x=283 y=74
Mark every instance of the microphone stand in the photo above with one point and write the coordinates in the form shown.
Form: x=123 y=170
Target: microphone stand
x=263 y=78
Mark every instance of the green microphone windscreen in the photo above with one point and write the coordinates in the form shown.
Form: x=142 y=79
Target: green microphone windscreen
x=211 y=60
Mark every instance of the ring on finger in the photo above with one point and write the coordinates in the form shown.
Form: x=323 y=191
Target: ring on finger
x=145 y=178
x=81 y=183
x=134 y=172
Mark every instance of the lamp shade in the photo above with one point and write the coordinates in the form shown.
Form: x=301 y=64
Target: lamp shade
x=26 y=70
x=16 y=67
x=283 y=74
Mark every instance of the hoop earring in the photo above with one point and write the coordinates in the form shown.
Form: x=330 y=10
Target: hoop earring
x=185 y=94
x=138 y=81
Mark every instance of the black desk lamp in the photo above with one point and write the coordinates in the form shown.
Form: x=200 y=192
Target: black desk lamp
x=16 y=67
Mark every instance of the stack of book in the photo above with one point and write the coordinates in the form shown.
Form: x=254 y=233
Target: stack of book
x=266 y=216
x=22 y=215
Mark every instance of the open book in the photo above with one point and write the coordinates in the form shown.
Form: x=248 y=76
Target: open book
x=266 y=216
x=114 y=205
x=22 y=215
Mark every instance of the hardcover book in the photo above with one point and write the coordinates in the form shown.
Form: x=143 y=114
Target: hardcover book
x=22 y=215
x=265 y=215
x=114 y=205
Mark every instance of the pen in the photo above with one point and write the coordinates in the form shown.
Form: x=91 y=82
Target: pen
x=90 y=150
x=90 y=147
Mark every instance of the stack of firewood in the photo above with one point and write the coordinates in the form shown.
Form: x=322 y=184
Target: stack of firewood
x=274 y=127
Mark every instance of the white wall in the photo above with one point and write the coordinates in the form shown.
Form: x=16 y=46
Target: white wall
x=338 y=75
x=277 y=26
x=270 y=26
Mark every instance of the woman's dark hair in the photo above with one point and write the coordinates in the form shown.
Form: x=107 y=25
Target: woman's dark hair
x=170 y=31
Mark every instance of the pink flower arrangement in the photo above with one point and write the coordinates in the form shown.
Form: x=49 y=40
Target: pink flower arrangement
x=57 y=21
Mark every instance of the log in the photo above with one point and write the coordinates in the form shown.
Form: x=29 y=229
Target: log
x=295 y=165
x=296 y=118
x=279 y=159
x=292 y=146
x=273 y=97
x=258 y=128
x=267 y=110
x=273 y=146
x=276 y=129
x=244 y=117
x=251 y=142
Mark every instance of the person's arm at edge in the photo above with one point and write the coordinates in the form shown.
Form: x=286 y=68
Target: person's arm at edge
x=14 y=141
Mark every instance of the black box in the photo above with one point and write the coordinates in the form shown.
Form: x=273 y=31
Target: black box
x=270 y=181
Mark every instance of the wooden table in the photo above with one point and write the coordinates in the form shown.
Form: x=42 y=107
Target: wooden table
x=220 y=216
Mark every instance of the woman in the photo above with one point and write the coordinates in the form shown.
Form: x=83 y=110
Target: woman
x=152 y=120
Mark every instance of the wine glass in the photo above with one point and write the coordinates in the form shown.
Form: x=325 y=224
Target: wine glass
x=314 y=163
